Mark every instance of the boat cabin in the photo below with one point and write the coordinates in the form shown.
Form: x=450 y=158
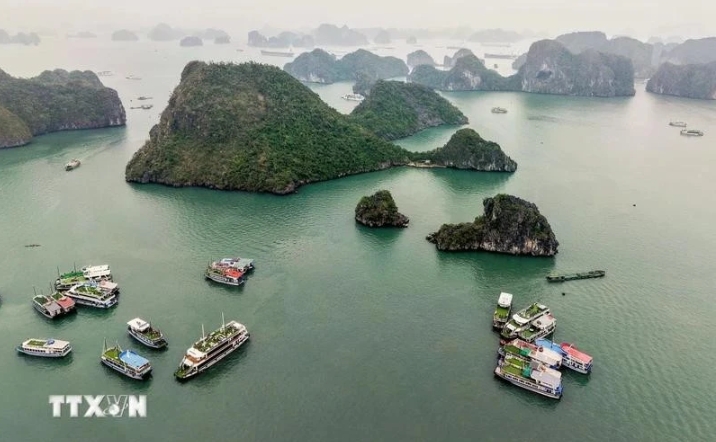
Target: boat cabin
x=505 y=300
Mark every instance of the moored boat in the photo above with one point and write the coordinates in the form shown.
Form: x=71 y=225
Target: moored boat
x=210 y=349
x=535 y=352
x=499 y=110
x=229 y=271
x=573 y=276
x=277 y=53
x=502 y=312
x=143 y=332
x=126 y=362
x=66 y=281
x=45 y=348
x=73 y=164
x=521 y=320
x=677 y=124
x=572 y=358
x=53 y=306
x=530 y=375
x=539 y=328
x=97 y=272
x=353 y=97
x=90 y=294
x=692 y=132
x=243 y=264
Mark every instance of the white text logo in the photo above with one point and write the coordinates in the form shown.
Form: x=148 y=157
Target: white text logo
x=98 y=406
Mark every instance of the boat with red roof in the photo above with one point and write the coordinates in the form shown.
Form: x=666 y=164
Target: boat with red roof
x=229 y=271
x=572 y=357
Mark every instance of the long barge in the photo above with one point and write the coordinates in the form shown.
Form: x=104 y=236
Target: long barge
x=573 y=276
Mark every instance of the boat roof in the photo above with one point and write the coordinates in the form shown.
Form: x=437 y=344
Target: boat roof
x=56 y=344
x=544 y=321
x=138 y=324
x=546 y=343
x=571 y=350
x=547 y=376
x=505 y=299
x=194 y=353
x=108 y=284
x=95 y=271
x=132 y=359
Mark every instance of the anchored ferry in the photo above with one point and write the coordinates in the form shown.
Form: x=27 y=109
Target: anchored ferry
x=229 y=271
x=45 y=348
x=521 y=320
x=530 y=375
x=539 y=353
x=90 y=294
x=539 y=328
x=67 y=280
x=143 y=332
x=572 y=358
x=53 y=306
x=126 y=362
x=502 y=312
x=211 y=349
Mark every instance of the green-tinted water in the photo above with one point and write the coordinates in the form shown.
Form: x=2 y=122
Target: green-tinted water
x=361 y=334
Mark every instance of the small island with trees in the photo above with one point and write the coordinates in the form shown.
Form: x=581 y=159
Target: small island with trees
x=379 y=210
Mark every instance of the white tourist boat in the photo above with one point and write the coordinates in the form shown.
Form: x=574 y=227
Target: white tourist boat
x=535 y=352
x=521 y=320
x=45 y=348
x=502 y=311
x=143 y=332
x=90 y=294
x=353 y=97
x=530 y=375
x=541 y=327
x=572 y=357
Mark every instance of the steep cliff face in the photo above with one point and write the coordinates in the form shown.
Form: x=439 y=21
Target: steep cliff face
x=551 y=69
x=468 y=150
x=578 y=42
x=396 y=110
x=253 y=127
x=449 y=62
x=379 y=210
x=420 y=57
x=690 y=81
x=509 y=225
x=692 y=51
x=318 y=66
x=13 y=131
x=60 y=100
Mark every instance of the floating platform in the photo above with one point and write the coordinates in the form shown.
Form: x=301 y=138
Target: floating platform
x=573 y=276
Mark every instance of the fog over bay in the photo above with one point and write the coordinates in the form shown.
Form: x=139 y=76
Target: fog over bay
x=638 y=18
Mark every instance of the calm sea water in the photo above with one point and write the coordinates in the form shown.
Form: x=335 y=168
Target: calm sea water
x=357 y=334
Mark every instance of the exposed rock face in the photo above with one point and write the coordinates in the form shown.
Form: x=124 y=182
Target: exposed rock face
x=519 y=61
x=509 y=225
x=253 y=127
x=449 y=62
x=690 y=81
x=578 y=42
x=364 y=83
x=124 y=35
x=468 y=150
x=164 y=32
x=379 y=210
x=693 y=51
x=191 y=41
x=13 y=131
x=318 y=66
x=382 y=38
x=396 y=110
x=420 y=57
x=495 y=36
x=20 y=38
x=55 y=101
x=332 y=35
x=282 y=40
x=551 y=69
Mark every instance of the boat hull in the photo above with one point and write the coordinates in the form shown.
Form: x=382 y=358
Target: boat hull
x=224 y=280
x=577 y=368
x=42 y=354
x=159 y=343
x=552 y=394
x=208 y=364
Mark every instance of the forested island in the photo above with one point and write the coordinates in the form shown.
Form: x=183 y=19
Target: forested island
x=55 y=101
x=466 y=149
x=509 y=225
x=318 y=66
x=380 y=210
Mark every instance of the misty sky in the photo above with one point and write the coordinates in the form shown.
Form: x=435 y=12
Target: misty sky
x=640 y=18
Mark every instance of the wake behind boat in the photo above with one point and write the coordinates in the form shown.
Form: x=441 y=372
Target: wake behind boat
x=45 y=348
x=143 y=332
x=210 y=349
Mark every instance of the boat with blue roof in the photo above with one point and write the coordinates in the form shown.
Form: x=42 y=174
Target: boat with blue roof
x=530 y=375
x=126 y=362
x=572 y=357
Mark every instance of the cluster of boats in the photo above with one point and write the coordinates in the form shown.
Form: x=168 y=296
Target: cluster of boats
x=90 y=286
x=686 y=132
x=229 y=271
x=526 y=358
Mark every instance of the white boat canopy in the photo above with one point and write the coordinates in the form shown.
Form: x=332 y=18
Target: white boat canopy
x=138 y=324
x=96 y=271
x=505 y=300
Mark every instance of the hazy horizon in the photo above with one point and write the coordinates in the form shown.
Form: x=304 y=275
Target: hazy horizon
x=237 y=17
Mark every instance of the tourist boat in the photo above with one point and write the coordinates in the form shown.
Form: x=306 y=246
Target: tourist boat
x=126 y=362
x=572 y=276
x=543 y=326
x=90 y=294
x=106 y=286
x=132 y=77
x=243 y=264
x=97 y=272
x=104 y=74
x=143 y=332
x=229 y=271
x=144 y=98
x=692 y=133
x=211 y=349
x=73 y=164
x=545 y=355
x=45 y=348
x=353 y=97
x=501 y=56
x=677 y=124
x=530 y=375
x=276 y=53
x=521 y=320
x=53 y=306
x=66 y=281
x=572 y=358
x=499 y=110
x=502 y=312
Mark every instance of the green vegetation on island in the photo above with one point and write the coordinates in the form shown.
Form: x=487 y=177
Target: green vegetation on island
x=254 y=127
x=54 y=101
x=509 y=225
x=318 y=66
x=690 y=81
x=380 y=210
x=396 y=110
x=466 y=149
x=416 y=58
